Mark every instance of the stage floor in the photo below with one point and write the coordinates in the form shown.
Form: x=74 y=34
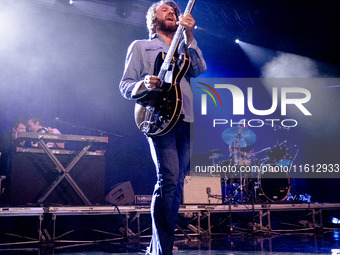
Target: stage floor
x=297 y=244
x=276 y=228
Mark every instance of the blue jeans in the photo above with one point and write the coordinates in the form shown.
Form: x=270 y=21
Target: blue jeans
x=171 y=155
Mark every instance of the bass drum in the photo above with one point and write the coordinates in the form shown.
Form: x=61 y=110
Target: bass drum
x=273 y=186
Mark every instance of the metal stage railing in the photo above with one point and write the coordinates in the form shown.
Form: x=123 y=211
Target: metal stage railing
x=199 y=220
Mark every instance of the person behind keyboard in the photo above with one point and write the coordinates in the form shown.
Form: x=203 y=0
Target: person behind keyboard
x=35 y=124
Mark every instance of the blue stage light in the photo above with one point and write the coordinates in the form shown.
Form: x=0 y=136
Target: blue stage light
x=335 y=220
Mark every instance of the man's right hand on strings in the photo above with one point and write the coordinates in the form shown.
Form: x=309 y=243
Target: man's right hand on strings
x=151 y=82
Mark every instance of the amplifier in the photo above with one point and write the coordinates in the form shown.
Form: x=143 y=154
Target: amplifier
x=121 y=194
x=202 y=190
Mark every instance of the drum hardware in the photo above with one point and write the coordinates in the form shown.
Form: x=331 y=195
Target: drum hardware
x=273 y=186
x=239 y=137
x=265 y=149
x=231 y=190
x=264 y=186
x=261 y=186
x=278 y=153
x=215 y=154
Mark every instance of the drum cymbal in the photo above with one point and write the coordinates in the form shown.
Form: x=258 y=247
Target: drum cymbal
x=239 y=137
x=217 y=153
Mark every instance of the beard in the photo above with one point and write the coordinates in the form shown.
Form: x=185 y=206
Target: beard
x=166 y=27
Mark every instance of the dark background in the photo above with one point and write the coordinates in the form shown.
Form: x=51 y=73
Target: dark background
x=66 y=61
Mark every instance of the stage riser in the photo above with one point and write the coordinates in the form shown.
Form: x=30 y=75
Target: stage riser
x=138 y=219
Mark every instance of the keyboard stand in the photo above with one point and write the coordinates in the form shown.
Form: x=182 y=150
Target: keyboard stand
x=65 y=172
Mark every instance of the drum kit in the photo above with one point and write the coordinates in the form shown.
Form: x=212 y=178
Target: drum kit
x=253 y=179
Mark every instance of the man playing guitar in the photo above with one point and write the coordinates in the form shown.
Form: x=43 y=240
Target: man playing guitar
x=171 y=149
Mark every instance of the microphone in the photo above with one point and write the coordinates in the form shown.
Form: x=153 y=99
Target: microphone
x=57 y=119
x=208 y=192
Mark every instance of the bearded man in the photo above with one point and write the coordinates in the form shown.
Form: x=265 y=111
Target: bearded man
x=171 y=151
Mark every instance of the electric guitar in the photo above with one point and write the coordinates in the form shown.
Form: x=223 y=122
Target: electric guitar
x=158 y=111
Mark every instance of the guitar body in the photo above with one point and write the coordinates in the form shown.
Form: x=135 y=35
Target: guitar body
x=158 y=111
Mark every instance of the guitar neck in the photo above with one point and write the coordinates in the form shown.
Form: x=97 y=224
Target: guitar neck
x=174 y=43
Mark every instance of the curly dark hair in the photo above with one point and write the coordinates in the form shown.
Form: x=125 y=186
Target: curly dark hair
x=151 y=14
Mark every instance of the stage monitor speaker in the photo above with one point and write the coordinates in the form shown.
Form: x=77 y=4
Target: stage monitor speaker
x=32 y=174
x=202 y=190
x=121 y=194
